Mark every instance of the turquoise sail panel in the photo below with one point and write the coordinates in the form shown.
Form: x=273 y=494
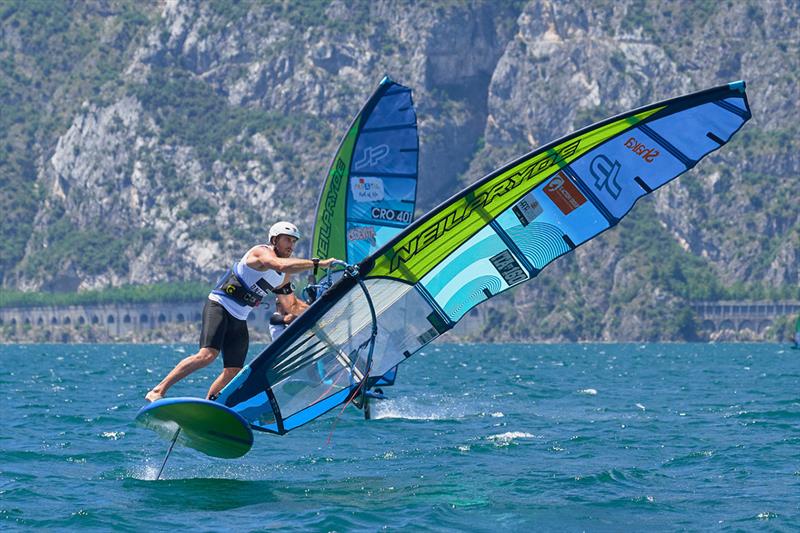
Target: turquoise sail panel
x=489 y=238
x=470 y=275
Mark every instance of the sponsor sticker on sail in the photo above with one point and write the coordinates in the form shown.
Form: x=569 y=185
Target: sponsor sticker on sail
x=564 y=193
x=527 y=209
x=362 y=233
x=367 y=189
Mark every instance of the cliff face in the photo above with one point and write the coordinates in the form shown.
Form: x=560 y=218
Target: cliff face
x=567 y=67
x=183 y=130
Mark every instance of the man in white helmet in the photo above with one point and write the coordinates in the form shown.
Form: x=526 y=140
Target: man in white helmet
x=264 y=269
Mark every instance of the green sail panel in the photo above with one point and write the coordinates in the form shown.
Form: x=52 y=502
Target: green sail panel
x=329 y=239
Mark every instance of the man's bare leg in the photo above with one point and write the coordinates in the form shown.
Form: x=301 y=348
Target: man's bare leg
x=188 y=365
x=223 y=379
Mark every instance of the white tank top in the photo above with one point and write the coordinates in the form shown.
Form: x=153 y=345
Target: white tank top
x=250 y=276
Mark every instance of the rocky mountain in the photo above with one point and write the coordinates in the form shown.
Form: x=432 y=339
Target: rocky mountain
x=152 y=142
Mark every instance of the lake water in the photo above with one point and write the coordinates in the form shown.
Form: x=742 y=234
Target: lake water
x=598 y=437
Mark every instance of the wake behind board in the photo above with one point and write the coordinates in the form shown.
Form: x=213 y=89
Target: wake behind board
x=206 y=426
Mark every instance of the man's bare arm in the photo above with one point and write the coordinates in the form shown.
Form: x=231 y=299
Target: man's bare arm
x=291 y=304
x=263 y=258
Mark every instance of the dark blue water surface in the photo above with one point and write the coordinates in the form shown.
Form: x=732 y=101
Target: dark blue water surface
x=476 y=438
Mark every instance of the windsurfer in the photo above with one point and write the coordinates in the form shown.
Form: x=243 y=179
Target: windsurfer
x=263 y=269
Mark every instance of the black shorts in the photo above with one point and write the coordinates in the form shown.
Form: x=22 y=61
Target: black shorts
x=222 y=331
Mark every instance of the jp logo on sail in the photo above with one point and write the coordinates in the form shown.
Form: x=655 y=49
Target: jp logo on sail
x=605 y=174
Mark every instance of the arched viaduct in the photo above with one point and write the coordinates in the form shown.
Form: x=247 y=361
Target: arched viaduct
x=740 y=316
x=115 y=319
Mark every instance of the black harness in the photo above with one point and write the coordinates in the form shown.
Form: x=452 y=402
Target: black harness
x=234 y=287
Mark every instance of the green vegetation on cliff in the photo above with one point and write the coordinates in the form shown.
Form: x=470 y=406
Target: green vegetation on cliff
x=53 y=56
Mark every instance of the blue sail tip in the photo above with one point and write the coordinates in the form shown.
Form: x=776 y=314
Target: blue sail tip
x=386 y=79
x=737 y=86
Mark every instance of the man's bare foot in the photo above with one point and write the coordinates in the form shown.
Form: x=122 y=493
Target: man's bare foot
x=153 y=396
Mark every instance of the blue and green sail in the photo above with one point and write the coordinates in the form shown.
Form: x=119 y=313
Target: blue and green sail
x=494 y=235
x=370 y=192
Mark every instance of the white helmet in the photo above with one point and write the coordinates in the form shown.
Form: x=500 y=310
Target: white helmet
x=283 y=228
